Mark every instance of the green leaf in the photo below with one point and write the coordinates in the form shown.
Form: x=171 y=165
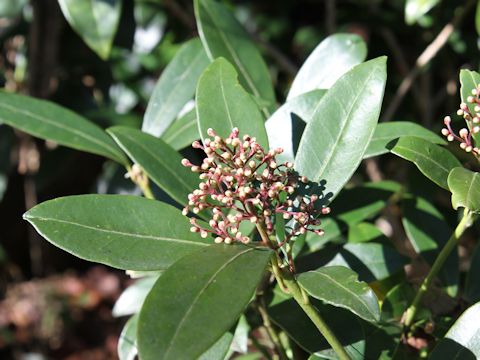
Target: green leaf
x=333 y=57
x=285 y=126
x=397 y=301
x=334 y=141
x=432 y=160
x=219 y=350
x=209 y=288
x=223 y=104
x=131 y=299
x=415 y=9
x=462 y=341
x=288 y=315
x=428 y=232
x=161 y=163
x=175 y=87
x=469 y=80
x=351 y=207
x=472 y=285
x=477 y=18
x=183 y=131
x=49 y=121
x=223 y=36
x=126 y=232
x=127 y=342
x=464 y=185
x=339 y=286
x=364 y=232
x=371 y=261
x=388 y=131
x=96 y=21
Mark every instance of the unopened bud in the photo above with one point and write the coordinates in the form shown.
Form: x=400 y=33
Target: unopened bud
x=463 y=133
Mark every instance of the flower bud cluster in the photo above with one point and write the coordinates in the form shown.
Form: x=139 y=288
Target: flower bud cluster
x=465 y=137
x=243 y=182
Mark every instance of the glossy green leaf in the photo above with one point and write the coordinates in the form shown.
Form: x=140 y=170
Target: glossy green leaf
x=415 y=9
x=351 y=207
x=161 y=163
x=183 y=131
x=388 y=131
x=96 y=21
x=339 y=286
x=428 y=232
x=462 y=341
x=364 y=232
x=207 y=290
x=49 y=121
x=175 y=87
x=223 y=104
x=223 y=36
x=219 y=350
x=131 y=299
x=464 y=185
x=334 y=141
x=333 y=57
x=288 y=315
x=285 y=126
x=11 y=8
x=127 y=342
x=371 y=261
x=432 y=160
x=396 y=301
x=472 y=285
x=469 y=80
x=381 y=339
x=123 y=231
x=477 y=18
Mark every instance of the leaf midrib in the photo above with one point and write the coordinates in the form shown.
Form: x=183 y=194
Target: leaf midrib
x=234 y=55
x=197 y=297
x=115 y=232
x=60 y=126
x=178 y=82
x=167 y=167
x=347 y=290
x=421 y=155
x=470 y=187
x=342 y=128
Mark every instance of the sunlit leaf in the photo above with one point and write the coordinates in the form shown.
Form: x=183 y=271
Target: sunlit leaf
x=333 y=57
x=335 y=139
x=123 y=231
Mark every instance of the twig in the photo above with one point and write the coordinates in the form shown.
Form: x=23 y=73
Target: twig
x=451 y=244
x=425 y=57
x=271 y=331
x=330 y=16
x=180 y=14
x=403 y=66
x=282 y=61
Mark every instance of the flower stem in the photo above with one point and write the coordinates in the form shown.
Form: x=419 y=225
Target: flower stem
x=272 y=332
x=464 y=223
x=312 y=312
x=287 y=282
x=141 y=180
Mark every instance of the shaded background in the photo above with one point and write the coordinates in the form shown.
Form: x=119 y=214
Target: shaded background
x=54 y=304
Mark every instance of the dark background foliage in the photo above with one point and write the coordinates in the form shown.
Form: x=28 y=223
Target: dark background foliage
x=42 y=56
